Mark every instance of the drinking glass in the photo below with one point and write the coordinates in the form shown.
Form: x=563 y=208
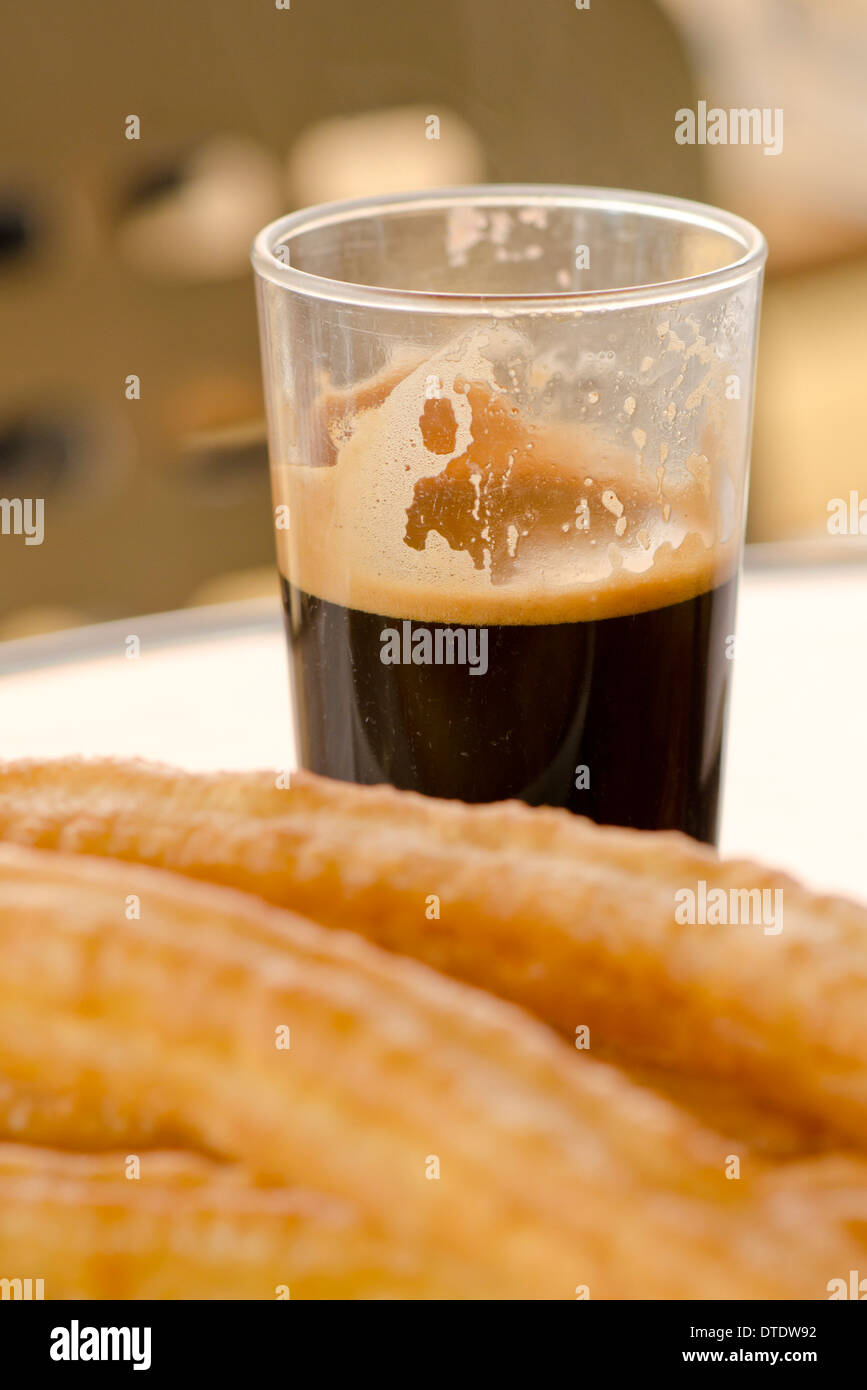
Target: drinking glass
x=509 y=435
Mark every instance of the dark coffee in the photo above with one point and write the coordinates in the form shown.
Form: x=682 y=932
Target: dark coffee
x=620 y=718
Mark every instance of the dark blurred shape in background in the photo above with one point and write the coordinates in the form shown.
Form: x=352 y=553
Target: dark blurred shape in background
x=128 y=258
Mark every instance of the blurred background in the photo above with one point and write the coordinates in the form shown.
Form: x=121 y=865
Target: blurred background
x=124 y=258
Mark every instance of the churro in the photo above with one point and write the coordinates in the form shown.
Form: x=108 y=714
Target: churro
x=490 y=1158
x=574 y=922
x=183 y=1227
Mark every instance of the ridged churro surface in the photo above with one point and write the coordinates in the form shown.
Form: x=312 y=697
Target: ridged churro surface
x=764 y=1033
x=446 y=1144
x=183 y=1227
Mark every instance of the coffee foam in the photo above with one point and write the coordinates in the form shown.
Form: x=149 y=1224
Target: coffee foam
x=429 y=496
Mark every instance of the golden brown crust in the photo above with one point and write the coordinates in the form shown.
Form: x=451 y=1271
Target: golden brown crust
x=186 y=1227
x=573 y=922
x=554 y=1170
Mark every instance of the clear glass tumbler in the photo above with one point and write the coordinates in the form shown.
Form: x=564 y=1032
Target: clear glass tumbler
x=509 y=432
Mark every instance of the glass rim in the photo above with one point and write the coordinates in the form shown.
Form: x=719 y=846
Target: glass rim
x=748 y=264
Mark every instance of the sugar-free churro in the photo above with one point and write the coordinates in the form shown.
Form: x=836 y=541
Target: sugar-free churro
x=574 y=922
x=471 y=1152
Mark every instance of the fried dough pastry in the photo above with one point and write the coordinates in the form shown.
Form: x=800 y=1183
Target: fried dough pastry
x=574 y=922
x=186 y=1228
x=489 y=1158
